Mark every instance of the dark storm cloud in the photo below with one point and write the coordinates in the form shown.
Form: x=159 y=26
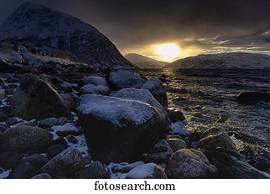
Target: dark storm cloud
x=205 y=23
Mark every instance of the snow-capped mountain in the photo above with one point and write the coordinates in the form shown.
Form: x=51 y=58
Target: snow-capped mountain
x=57 y=33
x=145 y=62
x=236 y=60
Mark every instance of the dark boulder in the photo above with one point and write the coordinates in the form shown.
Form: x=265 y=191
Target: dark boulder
x=253 y=97
x=119 y=129
x=36 y=98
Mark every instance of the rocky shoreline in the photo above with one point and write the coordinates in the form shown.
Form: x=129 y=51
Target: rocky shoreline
x=73 y=121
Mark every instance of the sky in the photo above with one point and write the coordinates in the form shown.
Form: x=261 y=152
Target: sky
x=196 y=26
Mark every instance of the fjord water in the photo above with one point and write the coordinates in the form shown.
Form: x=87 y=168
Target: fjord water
x=207 y=97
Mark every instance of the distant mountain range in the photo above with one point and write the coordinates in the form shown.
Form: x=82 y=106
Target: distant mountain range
x=236 y=60
x=58 y=34
x=144 y=62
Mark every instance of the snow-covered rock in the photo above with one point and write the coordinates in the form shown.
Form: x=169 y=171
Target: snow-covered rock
x=34 y=25
x=140 y=95
x=95 y=80
x=94 y=89
x=119 y=129
x=120 y=79
x=157 y=90
x=66 y=129
x=146 y=171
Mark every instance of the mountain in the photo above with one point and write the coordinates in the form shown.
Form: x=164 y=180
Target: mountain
x=236 y=60
x=57 y=33
x=145 y=62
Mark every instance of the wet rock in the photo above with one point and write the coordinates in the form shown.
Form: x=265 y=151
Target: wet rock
x=23 y=170
x=72 y=139
x=13 y=121
x=253 y=97
x=64 y=164
x=119 y=129
x=154 y=86
x=9 y=159
x=95 y=170
x=23 y=138
x=257 y=156
x=189 y=163
x=175 y=115
x=176 y=143
x=120 y=79
x=36 y=160
x=53 y=150
x=5 y=67
x=231 y=165
x=49 y=122
x=36 y=98
x=125 y=168
x=69 y=100
x=222 y=140
x=146 y=171
x=160 y=153
x=42 y=176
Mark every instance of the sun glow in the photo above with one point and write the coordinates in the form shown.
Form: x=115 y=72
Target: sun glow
x=168 y=52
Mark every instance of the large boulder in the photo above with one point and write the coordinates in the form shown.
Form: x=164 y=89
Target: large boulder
x=146 y=171
x=253 y=97
x=140 y=95
x=189 y=163
x=65 y=164
x=23 y=138
x=232 y=165
x=36 y=98
x=157 y=90
x=5 y=67
x=94 y=84
x=119 y=129
x=222 y=140
x=120 y=79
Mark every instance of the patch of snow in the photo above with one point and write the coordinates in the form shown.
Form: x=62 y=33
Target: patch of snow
x=115 y=110
x=142 y=171
x=179 y=128
x=65 y=127
x=4 y=173
x=81 y=145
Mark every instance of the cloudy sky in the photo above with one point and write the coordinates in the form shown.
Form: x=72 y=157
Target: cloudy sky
x=197 y=26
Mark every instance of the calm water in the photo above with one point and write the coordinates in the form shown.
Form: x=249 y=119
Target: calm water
x=208 y=98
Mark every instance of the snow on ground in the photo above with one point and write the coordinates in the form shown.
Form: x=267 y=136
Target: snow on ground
x=65 y=127
x=179 y=128
x=4 y=173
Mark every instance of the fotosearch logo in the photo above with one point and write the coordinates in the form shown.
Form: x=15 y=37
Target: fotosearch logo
x=145 y=186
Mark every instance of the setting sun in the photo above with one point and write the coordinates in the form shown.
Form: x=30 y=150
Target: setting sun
x=168 y=52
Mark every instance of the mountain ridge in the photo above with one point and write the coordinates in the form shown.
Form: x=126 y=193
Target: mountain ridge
x=52 y=31
x=234 y=60
x=144 y=62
